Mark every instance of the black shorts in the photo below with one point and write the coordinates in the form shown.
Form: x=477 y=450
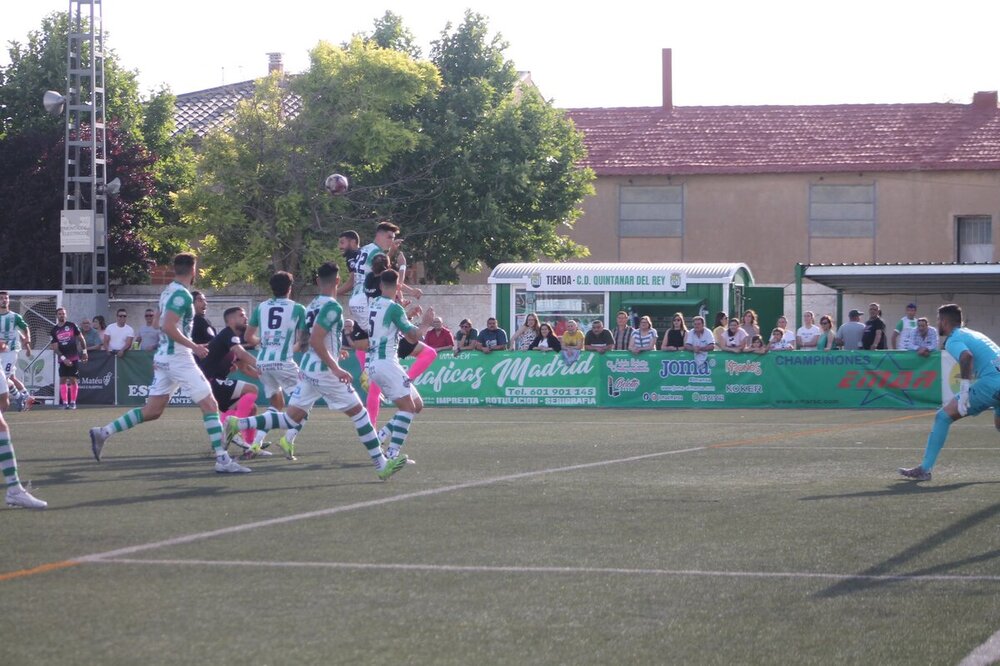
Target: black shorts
x=223 y=390
x=69 y=370
x=405 y=348
x=357 y=333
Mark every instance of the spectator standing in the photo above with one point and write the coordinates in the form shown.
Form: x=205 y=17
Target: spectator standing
x=904 y=328
x=546 y=340
x=492 y=338
x=924 y=338
x=100 y=325
x=467 y=337
x=439 y=337
x=674 y=339
x=91 y=335
x=526 y=333
x=644 y=337
x=598 y=338
x=827 y=339
x=750 y=325
x=807 y=335
x=788 y=334
x=149 y=332
x=720 y=326
x=700 y=341
x=850 y=333
x=734 y=338
x=119 y=336
x=622 y=332
x=572 y=342
x=874 y=335
x=779 y=341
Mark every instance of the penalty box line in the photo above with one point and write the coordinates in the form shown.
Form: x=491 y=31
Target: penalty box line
x=236 y=529
x=484 y=569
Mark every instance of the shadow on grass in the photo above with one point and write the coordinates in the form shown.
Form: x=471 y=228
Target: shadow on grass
x=891 y=566
x=903 y=487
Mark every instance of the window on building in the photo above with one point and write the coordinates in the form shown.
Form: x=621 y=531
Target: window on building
x=975 y=238
x=651 y=211
x=842 y=211
x=555 y=308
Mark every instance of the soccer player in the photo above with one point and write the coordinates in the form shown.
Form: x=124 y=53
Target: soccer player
x=279 y=321
x=348 y=244
x=13 y=332
x=322 y=377
x=387 y=321
x=977 y=354
x=17 y=495
x=68 y=342
x=173 y=366
x=385 y=234
x=225 y=353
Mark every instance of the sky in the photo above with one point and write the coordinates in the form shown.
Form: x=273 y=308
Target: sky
x=589 y=54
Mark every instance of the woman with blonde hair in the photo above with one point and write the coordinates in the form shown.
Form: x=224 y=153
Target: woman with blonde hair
x=750 y=324
x=526 y=334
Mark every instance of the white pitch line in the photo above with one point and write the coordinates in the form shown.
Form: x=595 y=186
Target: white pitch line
x=985 y=654
x=456 y=568
x=235 y=529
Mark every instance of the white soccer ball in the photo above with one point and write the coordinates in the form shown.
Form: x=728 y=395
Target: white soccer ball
x=336 y=184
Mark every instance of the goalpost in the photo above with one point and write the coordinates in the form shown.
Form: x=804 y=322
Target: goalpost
x=38 y=309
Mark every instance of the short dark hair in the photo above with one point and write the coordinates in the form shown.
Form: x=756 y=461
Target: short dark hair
x=327 y=272
x=380 y=263
x=195 y=294
x=351 y=235
x=387 y=226
x=121 y=310
x=184 y=263
x=389 y=277
x=952 y=312
x=229 y=311
x=281 y=283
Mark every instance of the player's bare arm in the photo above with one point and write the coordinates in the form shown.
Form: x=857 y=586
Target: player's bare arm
x=317 y=343
x=250 y=336
x=172 y=330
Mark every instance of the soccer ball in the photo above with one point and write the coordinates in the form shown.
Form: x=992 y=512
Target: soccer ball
x=336 y=184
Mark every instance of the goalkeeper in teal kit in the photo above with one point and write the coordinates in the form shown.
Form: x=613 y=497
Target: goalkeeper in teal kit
x=976 y=354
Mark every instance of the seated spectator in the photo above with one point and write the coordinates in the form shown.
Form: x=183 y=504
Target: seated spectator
x=757 y=345
x=720 y=326
x=467 y=338
x=492 y=338
x=546 y=340
x=924 y=339
x=572 y=342
x=598 y=338
x=439 y=338
x=149 y=333
x=779 y=341
x=734 y=339
x=676 y=334
x=91 y=335
x=788 y=334
x=526 y=333
x=700 y=341
x=807 y=337
x=622 y=332
x=827 y=339
x=644 y=337
x=749 y=324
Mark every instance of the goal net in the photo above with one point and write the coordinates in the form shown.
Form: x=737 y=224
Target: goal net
x=38 y=309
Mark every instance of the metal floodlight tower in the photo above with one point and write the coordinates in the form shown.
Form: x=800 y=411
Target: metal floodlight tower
x=83 y=223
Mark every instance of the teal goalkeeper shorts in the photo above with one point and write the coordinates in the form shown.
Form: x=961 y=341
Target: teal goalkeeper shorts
x=983 y=394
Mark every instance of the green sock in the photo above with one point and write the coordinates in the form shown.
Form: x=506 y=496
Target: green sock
x=213 y=426
x=126 y=421
x=8 y=463
x=366 y=433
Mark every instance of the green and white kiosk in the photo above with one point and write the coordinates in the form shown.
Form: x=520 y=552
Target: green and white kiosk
x=558 y=292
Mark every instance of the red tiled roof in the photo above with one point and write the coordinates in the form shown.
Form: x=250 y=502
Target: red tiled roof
x=784 y=139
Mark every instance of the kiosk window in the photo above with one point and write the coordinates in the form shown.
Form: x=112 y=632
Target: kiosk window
x=555 y=308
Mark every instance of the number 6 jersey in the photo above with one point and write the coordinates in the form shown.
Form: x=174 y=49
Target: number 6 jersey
x=278 y=320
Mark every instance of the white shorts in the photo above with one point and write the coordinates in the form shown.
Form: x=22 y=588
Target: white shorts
x=315 y=385
x=358 y=306
x=391 y=378
x=169 y=372
x=8 y=363
x=278 y=376
x=3 y=382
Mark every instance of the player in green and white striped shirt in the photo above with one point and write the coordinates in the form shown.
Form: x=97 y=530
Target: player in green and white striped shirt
x=279 y=321
x=173 y=367
x=387 y=321
x=13 y=330
x=322 y=377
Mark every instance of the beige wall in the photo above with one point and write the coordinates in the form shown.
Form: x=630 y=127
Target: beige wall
x=763 y=220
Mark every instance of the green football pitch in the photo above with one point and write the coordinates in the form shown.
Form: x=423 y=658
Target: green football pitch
x=521 y=536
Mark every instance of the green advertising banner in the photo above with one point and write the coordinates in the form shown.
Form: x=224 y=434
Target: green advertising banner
x=803 y=380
